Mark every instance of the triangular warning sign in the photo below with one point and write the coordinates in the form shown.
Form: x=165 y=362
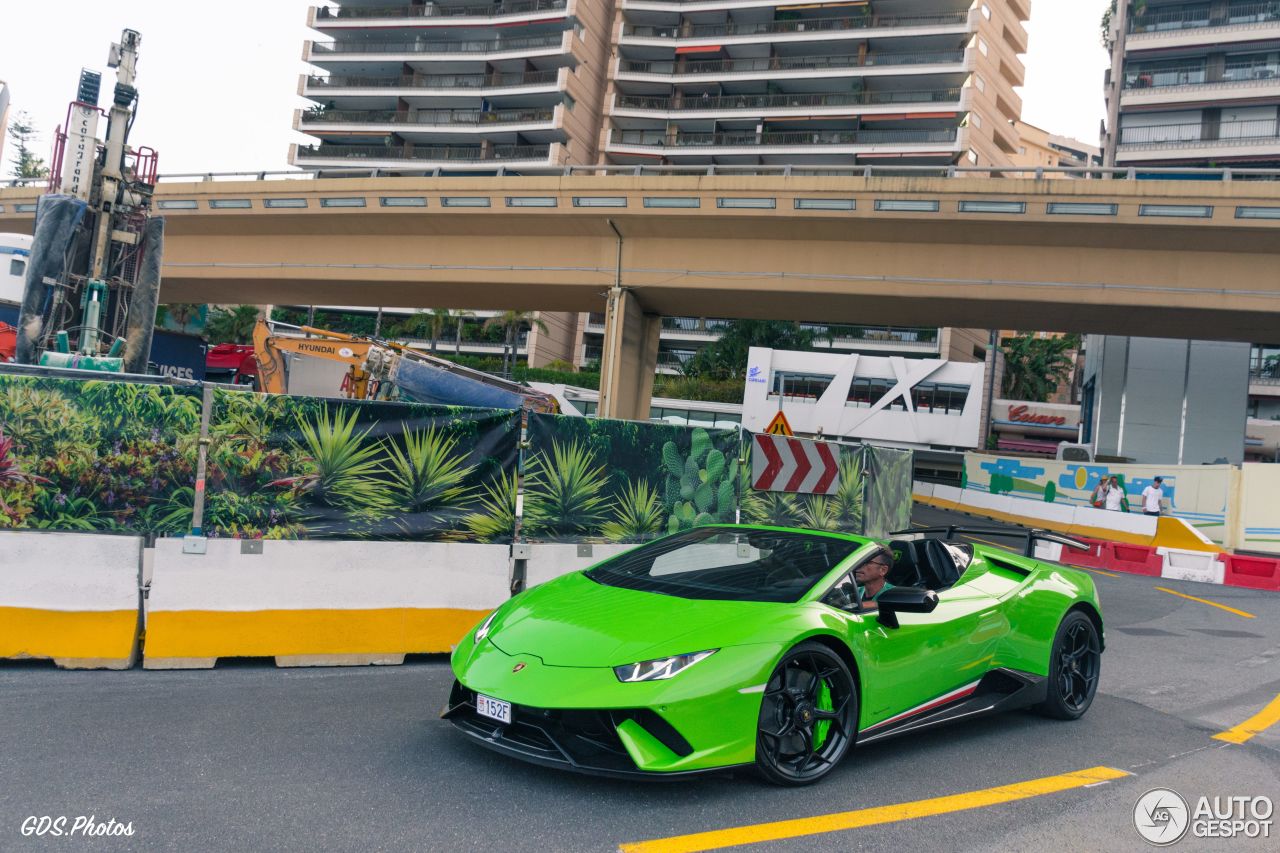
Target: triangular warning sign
x=779 y=425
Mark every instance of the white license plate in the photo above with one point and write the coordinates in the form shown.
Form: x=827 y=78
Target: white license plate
x=494 y=709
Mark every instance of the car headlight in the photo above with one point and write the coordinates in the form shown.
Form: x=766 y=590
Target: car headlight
x=661 y=669
x=483 y=630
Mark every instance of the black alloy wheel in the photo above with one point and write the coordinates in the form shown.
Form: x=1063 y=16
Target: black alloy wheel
x=1074 y=666
x=808 y=716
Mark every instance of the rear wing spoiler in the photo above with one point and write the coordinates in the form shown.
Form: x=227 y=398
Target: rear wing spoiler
x=1030 y=535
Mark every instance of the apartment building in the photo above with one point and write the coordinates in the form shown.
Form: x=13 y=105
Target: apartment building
x=454 y=87
x=1038 y=148
x=530 y=86
x=1200 y=84
x=911 y=82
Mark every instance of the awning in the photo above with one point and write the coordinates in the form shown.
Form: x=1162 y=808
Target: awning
x=904 y=116
x=707 y=48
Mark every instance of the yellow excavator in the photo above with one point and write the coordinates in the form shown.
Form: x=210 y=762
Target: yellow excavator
x=384 y=370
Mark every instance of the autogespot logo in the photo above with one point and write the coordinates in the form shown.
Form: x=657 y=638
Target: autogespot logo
x=1161 y=816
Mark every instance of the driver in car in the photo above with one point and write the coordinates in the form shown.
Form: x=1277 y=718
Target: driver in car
x=871 y=577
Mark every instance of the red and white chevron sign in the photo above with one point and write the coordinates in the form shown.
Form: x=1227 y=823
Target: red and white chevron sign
x=780 y=463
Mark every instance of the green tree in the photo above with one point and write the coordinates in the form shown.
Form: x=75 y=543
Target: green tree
x=427 y=324
x=1035 y=367
x=25 y=163
x=231 y=325
x=182 y=313
x=458 y=317
x=726 y=358
x=512 y=323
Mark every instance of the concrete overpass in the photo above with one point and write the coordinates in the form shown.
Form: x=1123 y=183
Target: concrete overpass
x=1171 y=258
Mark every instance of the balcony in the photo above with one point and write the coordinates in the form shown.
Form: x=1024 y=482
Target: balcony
x=1185 y=26
x=802 y=104
x=1256 y=137
x=1174 y=84
x=367 y=48
x=807 y=28
x=328 y=85
x=325 y=16
x=424 y=157
x=800 y=66
x=781 y=140
x=335 y=121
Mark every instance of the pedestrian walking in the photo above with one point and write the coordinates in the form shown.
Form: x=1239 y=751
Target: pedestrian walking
x=1152 y=496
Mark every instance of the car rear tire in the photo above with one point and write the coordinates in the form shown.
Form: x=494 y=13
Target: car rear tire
x=1074 y=666
x=808 y=716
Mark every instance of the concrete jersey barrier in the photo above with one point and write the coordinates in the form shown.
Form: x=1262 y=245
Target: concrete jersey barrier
x=317 y=602
x=71 y=597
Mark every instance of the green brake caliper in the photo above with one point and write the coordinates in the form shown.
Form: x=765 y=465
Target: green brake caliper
x=821 y=727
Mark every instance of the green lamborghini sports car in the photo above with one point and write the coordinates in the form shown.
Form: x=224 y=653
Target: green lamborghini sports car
x=736 y=645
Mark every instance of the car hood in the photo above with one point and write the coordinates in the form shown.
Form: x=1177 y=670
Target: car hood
x=574 y=621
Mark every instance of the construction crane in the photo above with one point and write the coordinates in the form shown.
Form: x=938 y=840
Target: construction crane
x=93 y=279
x=378 y=369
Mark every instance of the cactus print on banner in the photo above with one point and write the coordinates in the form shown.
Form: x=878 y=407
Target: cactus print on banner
x=591 y=480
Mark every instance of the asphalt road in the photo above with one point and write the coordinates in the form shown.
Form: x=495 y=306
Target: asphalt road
x=249 y=757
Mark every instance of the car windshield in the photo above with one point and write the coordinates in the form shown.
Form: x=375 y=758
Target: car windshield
x=728 y=564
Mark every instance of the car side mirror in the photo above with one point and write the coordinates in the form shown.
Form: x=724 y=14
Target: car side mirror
x=904 y=599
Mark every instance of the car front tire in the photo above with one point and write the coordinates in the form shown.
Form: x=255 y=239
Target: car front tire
x=808 y=716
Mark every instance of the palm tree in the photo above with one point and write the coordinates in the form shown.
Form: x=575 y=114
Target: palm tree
x=459 y=316
x=428 y=324
x=1035 y=367
x=234 y=326
x=513 y=322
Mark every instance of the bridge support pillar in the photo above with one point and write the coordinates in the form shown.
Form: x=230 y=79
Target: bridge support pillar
x=630 y=357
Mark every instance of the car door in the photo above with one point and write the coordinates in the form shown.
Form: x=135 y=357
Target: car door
x=929 y=655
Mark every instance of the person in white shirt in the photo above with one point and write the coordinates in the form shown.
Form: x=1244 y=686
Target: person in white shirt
x=1151 y=497
x=1114 y=496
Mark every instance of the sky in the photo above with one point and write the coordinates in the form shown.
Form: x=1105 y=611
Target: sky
x=218 y=82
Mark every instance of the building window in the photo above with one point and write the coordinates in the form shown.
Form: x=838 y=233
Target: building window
x=982 y=46
x=976 y=119
x=569 y=102
x=973 y=156
x=939 y=399
x=986 y=11
x=979 y=82
x=801 y=387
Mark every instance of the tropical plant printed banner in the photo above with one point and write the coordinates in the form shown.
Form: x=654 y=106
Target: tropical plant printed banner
x=889 y=501
x=283 y=467
x=843 y=511
x=587 y=479
x=96 y=455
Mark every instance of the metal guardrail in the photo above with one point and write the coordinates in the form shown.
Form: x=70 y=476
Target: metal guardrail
x=790 y=63
x=1197 y=74
x=435 y=152
x=1223 y=133
x=433 y=10
x=435 y=81
x=338 y=48
x=428 y=117
x=803 y=25
x=1128 y=173
x=763 y=102
x=1199 y=17
x=659 y=139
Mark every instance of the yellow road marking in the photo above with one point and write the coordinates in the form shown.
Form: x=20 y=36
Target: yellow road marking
x=783 y=829
x=1097 y=571
x=1267 y=717
x=1208 y=602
